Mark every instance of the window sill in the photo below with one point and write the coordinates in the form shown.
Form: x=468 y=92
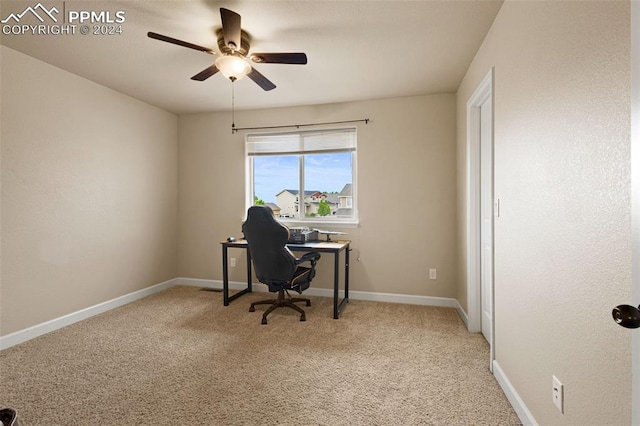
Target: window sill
x=324 y=225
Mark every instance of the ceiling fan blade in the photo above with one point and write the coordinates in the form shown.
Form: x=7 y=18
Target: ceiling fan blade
x=279 y=58
x=205 y=73
x=231 y=28
x=179 y=42
x=261 y=80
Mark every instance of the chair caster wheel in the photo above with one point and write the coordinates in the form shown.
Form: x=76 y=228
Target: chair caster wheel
x=308 y=302
x=264 y=321
x=252 y=308
x=303 y=318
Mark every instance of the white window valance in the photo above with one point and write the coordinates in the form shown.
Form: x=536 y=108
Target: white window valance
x=308 y=142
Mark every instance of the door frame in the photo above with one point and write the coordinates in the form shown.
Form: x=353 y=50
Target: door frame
x=483 y=92
x=635 y=205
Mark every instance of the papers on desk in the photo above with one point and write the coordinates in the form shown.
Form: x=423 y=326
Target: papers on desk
x=320 y=231
x=329 y=233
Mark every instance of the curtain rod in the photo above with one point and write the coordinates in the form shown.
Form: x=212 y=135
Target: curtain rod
x=235 y=129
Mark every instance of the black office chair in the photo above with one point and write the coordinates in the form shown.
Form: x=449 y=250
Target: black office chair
x=274 y=263
x=8 y=417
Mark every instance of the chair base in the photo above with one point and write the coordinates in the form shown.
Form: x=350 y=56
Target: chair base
x=280 y=302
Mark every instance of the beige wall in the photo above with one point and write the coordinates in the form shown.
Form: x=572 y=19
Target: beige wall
x=562 y=243
x=89 y=193
x=406 y=189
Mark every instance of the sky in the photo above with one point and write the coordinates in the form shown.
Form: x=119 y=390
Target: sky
x=323 y=172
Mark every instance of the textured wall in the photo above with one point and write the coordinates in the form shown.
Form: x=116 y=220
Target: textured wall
x=89 y=193
x=562 y=173
x=406 y=191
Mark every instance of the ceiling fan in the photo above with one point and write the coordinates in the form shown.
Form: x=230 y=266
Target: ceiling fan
x=233 y=60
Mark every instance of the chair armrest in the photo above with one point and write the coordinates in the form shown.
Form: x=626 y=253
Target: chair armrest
x=312 y=257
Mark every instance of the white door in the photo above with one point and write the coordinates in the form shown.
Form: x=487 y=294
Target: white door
x=486 y=218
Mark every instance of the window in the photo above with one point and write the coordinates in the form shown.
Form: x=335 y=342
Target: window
x=304 y=176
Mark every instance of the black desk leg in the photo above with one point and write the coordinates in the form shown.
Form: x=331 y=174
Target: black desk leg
x=337 y=307
x=249 y=283
x=225 y=277
x=336 y=283
x=346 y=273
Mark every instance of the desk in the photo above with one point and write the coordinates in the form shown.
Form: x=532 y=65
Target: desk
x=334 y=247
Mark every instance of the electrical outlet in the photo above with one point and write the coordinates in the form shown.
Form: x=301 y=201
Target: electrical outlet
x=558 y=394
x=233 y=262
x=432 y=274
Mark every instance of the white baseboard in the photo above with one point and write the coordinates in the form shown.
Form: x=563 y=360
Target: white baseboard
x=199 y=282
x=402 y=298
x=57 y=323
x=463 y=315
x=326 y=292
x=512 y=395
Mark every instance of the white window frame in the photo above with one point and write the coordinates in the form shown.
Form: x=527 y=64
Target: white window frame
x=333 y=222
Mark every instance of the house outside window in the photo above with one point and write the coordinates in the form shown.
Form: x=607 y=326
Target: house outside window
x=304 y=176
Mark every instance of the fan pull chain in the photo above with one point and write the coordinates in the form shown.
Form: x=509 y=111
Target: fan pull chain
x=233 y=108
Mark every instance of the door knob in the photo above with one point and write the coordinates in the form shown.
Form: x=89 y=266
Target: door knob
x=627 y=316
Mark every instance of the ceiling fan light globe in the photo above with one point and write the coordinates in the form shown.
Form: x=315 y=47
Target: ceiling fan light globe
x=233 y=67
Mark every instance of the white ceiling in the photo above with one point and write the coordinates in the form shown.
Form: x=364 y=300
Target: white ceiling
x=356 y=49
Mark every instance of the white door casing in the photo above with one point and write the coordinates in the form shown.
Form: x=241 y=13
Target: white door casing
x=486 y=218
x=635 y=203
x=482 y=95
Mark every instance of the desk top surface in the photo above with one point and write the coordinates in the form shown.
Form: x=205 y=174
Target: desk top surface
x=310 y=245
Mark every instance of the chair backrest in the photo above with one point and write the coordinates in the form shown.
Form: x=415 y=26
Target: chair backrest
x=267 y=238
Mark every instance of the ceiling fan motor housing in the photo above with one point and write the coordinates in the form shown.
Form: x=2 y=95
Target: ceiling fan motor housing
x=245 y=44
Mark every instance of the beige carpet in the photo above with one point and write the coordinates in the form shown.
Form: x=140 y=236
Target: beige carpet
x=181 y=358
